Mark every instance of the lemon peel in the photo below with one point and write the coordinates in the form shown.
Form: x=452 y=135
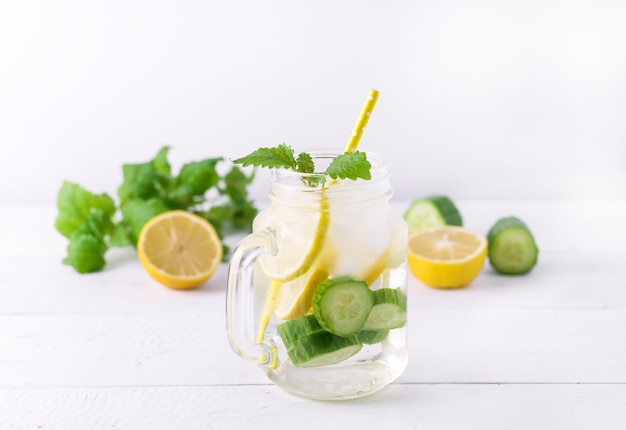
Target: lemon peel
x=446 y=256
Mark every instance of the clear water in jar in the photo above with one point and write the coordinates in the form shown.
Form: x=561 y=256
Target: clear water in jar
x=364 y=241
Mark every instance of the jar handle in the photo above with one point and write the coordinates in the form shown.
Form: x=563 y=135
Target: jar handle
x=240 y=297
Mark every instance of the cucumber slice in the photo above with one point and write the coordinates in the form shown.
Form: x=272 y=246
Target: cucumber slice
x=512 y=248
x=342 y=305
x=388 y=311
x=371 y=337
x=322 y=349
x=432 y=211
x=290 y=331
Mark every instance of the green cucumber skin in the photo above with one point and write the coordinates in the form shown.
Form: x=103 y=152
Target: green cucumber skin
x=388 y=311
x=309 y=343
x=322 y=349
x=526 y=250
x=448 y=210
x=371 y=337
x=442 y=209
x=328 y=306
x=290 y=331
x=391 y=296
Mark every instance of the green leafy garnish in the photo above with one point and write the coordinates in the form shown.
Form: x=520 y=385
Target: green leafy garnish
x=87 y=246
x=93 y=223
x=75 y=205
x=280 y=157
x=304 y=163
x=349 y=165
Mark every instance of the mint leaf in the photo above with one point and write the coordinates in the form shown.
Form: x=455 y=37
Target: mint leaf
x=274 y=158
x=98 y=223
x=160 y=163
x=236 y=183
x=237 y=211
x=119 y=236
x=236 y=188
x=85 y=253
x=198 y=176
x=304 y=163
x=350 y=165
x=74 y=205
x=139 y=182
x=243 y=217
x=219 y=216
x=193 y=181
x=145 y=180
x=135 y=213
x=86 y=249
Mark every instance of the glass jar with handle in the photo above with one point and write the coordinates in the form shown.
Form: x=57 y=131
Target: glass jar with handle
x=317 y=293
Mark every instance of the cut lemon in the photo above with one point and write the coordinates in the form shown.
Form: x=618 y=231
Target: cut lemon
x=446 y=257
x=300 y=243
x=179 y=249
x=294 y=298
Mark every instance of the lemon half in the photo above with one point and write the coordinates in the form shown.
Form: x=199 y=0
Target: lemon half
x=179 y=249
x=446 y=256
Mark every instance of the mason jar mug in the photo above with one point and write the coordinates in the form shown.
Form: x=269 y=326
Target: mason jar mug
x=317 y=292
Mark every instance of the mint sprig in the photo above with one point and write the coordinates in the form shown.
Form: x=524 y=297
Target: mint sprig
x=349 y=165
x=94 y=223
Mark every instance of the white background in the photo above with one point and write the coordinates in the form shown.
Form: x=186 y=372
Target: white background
x=479 y=99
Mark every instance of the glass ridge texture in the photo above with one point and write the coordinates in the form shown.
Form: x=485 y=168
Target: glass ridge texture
x=342 y=230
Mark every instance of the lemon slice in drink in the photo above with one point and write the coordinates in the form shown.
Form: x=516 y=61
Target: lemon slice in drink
x=299 y=243
x=446 y=257
x=294 y=298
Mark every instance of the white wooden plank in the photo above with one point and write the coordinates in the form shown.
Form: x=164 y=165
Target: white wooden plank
x=54 y=288
x=561 y=280
x=114 y=349
x=562 y=225
x=452 y=345
x=573 y=271
x=126 y=350
x=501 y=346
x=433 y=407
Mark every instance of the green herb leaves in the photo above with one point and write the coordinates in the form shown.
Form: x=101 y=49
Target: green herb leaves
x=85 y=219
x=93 y=223
x=350 y=165
x=75 y=206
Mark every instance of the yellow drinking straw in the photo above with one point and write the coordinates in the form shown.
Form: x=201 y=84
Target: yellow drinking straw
x=366 y=112
x=364 y=117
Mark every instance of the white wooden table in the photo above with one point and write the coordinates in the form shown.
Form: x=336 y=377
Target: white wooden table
x=116 y=350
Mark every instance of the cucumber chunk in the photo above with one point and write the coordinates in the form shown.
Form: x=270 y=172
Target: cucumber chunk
x=342 y=305
x=432 y=211
x=512 y=249
x=290 y=331
x=388 y=311
x=322 y=349
x=371 y=337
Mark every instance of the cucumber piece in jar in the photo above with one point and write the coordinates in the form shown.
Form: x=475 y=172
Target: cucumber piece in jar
x=342 y=305
x=511 y=247
x=371 y=337
x=388 y=311
x=322 y=349
x=430 y=212
x=292 y=330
